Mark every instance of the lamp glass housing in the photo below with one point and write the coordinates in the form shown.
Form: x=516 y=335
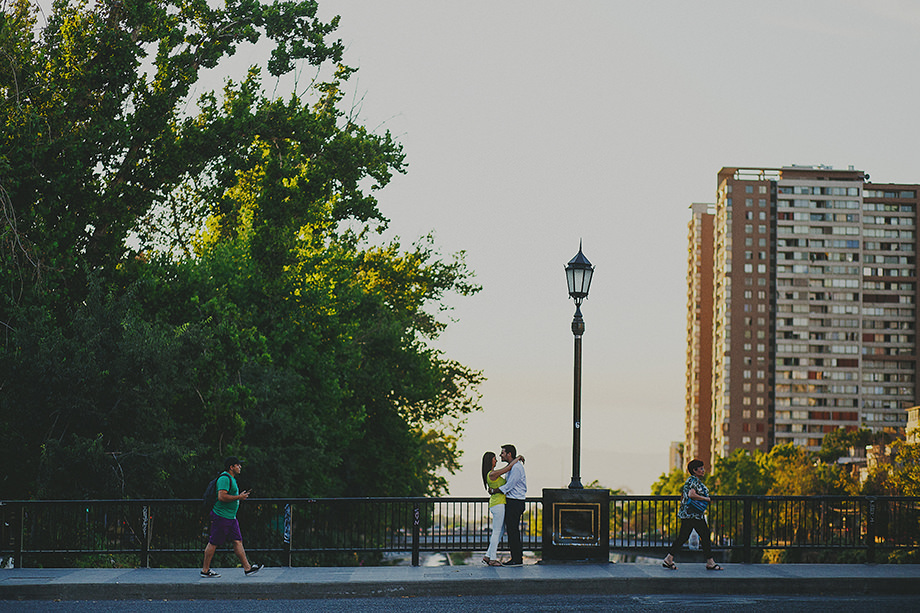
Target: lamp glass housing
x=578 y=273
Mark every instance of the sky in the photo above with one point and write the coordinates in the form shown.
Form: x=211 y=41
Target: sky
x=531 y=126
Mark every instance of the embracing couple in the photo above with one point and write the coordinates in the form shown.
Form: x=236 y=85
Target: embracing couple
x=508 y=488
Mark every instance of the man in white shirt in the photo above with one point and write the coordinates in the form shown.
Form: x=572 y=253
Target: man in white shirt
x=515 y=490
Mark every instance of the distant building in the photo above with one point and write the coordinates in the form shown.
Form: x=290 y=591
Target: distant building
x=698 y=423
x=913 y=425
x=812 y=315
x=676 y=456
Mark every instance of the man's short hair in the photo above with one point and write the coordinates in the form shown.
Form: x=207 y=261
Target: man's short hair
x=510 y=449
x=230 y=461
x=693 y=465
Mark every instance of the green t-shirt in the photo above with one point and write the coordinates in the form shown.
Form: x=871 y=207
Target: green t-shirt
x=497 y=498
x=227 y=509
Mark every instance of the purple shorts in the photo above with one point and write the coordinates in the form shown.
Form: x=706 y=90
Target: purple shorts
x=223 y=530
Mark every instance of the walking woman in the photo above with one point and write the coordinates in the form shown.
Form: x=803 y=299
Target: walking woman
x=691 y=512
x=492 y=478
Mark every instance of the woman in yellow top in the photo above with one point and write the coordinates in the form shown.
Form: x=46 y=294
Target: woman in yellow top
x=492 y=478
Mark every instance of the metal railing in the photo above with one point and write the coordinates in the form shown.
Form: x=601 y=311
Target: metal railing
x=300 y=531
x=749 y=524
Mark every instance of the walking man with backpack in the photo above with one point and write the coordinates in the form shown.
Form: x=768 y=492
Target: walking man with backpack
x=224 y=525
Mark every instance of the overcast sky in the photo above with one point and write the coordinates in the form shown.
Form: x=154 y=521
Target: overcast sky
x=530 y=125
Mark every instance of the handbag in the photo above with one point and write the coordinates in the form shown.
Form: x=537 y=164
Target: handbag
x=696 y=506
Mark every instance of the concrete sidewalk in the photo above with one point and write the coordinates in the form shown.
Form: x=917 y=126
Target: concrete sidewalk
x=401 y=581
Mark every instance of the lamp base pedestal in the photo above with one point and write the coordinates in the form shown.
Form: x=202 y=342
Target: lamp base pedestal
x=576 y=525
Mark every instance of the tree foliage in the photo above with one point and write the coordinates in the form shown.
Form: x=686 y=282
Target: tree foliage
x=182 y=280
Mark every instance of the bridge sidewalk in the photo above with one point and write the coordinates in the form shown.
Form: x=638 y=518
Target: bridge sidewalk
x=402 y=581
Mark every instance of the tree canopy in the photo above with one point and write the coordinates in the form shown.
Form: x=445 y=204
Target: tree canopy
x=187 y=279
x=787 y=470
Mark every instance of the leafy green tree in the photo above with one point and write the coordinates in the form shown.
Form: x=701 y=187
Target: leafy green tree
x=837 y=444
x=182 y=283
x=743 y=473
x=798 y=472
x=896 y=472
x=670 y=484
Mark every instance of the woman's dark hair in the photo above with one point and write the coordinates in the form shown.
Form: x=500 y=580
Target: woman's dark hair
x=487 y=458
x=693 y=465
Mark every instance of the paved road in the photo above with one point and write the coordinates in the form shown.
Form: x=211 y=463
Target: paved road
x=484 y=604
x=404 y=584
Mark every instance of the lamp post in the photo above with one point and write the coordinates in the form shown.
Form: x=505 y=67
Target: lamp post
x=578 y=273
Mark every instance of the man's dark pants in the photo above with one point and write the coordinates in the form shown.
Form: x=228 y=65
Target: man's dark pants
x=514 y=509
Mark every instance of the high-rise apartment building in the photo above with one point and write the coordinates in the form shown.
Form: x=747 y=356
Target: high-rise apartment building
x=698 y=432
x=812 y=312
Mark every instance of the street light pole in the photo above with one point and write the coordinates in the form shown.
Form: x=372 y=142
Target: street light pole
x=578 y=328
x=578 y=272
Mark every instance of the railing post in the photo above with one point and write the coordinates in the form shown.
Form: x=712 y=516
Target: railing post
x=145 y=540
x=288 y=530
x=746 y=532
x=870 y=530
x=417 y=514
x=18 y=527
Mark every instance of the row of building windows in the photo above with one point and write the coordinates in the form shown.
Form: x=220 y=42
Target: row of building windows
x=812 y=388
x=879 y=246
x=885 y=312
x=888 y=285
x=889 y=417
x=819 y=296
x=808 y=322
x=842 y=309
x=842 y=375
x=809 y=348
x=812 y=243
x=811 y=401
x=785 y=229
x=816 y=270
x=889 y=272
x=883 y=193
x=887 y=338
x=818 y=204
x=888 y=208
x=888 y=221
x=816 y=375
x=818 y=415
x=817 y=191
x=820 y=256
x=888 y=259
x=888 y=377
x=749 y=189
x=880 y=233
x=822 y=362
x=828 y=217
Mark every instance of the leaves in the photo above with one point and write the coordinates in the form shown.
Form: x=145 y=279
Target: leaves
x=185 y=282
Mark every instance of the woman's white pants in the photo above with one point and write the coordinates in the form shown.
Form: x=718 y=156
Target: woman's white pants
x=498 y=529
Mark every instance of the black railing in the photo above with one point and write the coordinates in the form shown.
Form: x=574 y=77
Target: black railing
x=300 y=531
x=749 y=524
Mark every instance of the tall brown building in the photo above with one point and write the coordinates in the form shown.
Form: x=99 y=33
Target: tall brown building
x=698 y=434
x=812 y=314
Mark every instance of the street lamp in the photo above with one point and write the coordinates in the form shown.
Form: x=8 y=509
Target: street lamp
x=578 y=273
